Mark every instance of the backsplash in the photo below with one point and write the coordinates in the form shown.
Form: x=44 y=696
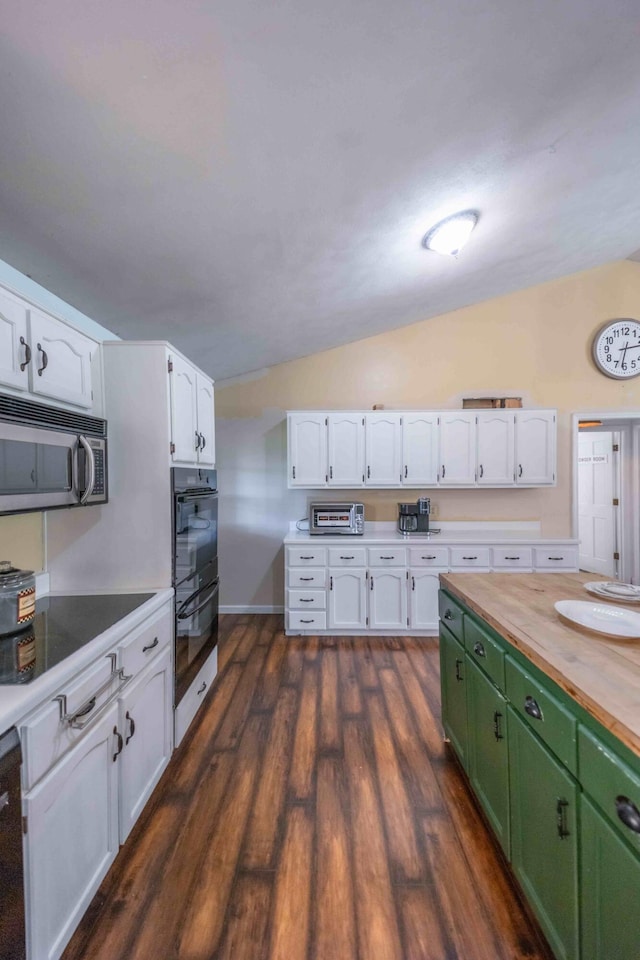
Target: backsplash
x=22 y=541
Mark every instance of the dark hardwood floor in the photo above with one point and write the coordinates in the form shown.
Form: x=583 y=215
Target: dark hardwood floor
x=312 y=813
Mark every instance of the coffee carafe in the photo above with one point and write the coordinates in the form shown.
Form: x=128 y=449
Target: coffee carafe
x=414 y=517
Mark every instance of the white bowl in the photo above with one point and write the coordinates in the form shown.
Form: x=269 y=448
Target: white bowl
x=601 y=618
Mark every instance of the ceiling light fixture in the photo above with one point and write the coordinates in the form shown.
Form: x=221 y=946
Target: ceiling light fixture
x=450 y=235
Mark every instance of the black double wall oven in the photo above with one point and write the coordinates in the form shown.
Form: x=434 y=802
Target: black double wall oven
x=195 y=571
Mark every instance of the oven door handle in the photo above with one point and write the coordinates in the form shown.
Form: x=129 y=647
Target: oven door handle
x=84 y=443
x=184 y=615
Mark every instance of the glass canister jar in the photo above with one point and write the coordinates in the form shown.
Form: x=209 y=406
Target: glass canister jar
x=17 y=598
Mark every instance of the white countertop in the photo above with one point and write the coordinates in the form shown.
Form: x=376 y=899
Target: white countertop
x=452 y=532
x=16 y=701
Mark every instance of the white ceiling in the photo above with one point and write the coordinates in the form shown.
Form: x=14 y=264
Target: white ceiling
x=251 y=180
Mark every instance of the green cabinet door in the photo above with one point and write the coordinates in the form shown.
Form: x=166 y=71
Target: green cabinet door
x=454 y=692
x=488 y=754
x=610 y=883
x=544 y=848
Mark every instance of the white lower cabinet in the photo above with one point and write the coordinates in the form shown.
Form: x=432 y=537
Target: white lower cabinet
x=347 y=598
x=72 y=837
x=424 y=584
x=388 y=599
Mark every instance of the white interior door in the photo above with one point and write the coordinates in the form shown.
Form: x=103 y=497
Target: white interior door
x=596 y=519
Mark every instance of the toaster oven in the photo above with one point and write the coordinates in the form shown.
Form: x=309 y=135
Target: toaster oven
x=335 y=518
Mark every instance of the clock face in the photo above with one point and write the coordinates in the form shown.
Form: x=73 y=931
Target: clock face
x=616 y=349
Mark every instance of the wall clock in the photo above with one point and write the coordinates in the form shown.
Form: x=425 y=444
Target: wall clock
x=616 y=349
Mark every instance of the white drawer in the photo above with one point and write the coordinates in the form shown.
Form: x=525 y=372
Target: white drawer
x=469 y=557
x=306 y=556
x=307 y=599
x=387 y=557
x=429 y=556
x=307 y=578
x=512 y=557
x=307 y=620
x=45 y=737
x=565 y=558
x=141 y=645
x=347 y=557
x=195 y=696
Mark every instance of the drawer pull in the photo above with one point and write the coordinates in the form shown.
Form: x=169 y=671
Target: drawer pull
x=531 y=707
x=85 y=710
x=448 y=615
x=497 y=729
x=151 y=646
x=132 y=727
x=478 y=648
x=555 y=558
x=429 y=557
x=307 y=621
x=512 y=558
x=469 y=558
x=307 y=558
x=458 y=674
x=561 y=819
x=387 y=558
x=120 y=744
x=628 y=813
x=347 y=558
x=202 y=688
x=308 y=578
x=310 y=599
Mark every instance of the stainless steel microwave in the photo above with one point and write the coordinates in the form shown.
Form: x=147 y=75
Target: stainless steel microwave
x=50 y=457
x=333 y=518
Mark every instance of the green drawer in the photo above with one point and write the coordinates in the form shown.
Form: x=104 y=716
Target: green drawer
x=451 y=614
x=611 y=784
x=533 y=701
x=484 y=649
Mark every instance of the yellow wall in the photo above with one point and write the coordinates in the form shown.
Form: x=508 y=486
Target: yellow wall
x=535 y=343
x=21 y=541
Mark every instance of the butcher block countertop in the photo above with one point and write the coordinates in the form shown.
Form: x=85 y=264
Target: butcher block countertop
x=599 y=673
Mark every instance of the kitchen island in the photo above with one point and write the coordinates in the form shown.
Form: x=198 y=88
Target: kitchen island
x=545 y=720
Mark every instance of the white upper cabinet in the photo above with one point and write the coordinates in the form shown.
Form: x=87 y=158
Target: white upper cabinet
x=383 y=449
x=14 y=353
x=346 y=449
x=192 y=415
x=535 y=447
x=457 y=448
x=308 y=449
x=496 y=440
x=420 y=449
x=43 y=355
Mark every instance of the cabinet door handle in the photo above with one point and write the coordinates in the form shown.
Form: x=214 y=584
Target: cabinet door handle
x=120 y=744
x=519 y=469
x=531 y=707
x=85 y=710
x=330 y=473
x=448 y=615
x=469 y=558
x=45 y=360
x=443 y=471
x=429 y=557
x=27 y=354
x=628 y=813
x=197 y=440
x=413 y=583
x=497 y=729
x=151 y=646
x=371 y=581
x=406 y=471
x=132 y=727
x=481 y=470
x=330 y=583
x=561 y=819
x=478 y=648
x=294 y=472
x=202 y=688
x=368 y=473
x=204 y=440
x=458 y=674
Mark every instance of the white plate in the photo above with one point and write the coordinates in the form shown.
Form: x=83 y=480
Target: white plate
x=615 y=591
x=601 y=618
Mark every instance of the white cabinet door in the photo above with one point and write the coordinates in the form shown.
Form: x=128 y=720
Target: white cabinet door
x=388 y=598
x=15 y=349
x=184 y=411
x=495 y=433
x=346 y=450
x=206 y=421
x=347 y=599
x=72 y=837
x=423 y=598
x=60 y=360
x=146 y=722
x=307 y=449
x=383 y=449
x=457 y=448
x=535 y=446
x=420 y=449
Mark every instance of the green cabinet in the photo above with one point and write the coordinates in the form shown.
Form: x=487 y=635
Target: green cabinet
x=454 y=692
x=610 y=888
x=544 y=837
x=487 y=750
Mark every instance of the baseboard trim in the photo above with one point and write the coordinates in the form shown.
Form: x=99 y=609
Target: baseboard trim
x=252 y=608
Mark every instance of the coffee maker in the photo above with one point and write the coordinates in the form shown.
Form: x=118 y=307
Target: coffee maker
x=414 y=517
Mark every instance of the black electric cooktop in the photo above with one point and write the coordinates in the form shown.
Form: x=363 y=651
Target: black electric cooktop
x=60 y=627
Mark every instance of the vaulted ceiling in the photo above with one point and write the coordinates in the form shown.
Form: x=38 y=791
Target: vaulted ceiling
x=252 y=180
